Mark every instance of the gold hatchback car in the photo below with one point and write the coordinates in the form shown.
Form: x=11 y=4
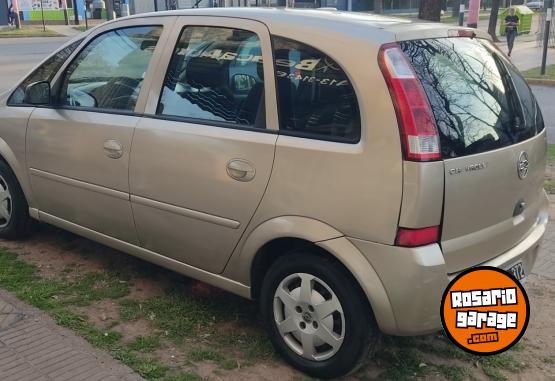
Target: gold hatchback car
x=340 y=168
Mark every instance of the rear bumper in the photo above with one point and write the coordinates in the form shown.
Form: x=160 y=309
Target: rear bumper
x=414 y=278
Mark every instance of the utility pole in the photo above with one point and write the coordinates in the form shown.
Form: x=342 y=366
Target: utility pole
x=42 y=15
x=15 y=4
x=548 y=16
x=461 y=13
x=109 y=10
x=64 y=6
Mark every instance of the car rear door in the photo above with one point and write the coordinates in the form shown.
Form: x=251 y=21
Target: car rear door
x=493 y=145
x=203 y=152
x=78 y=148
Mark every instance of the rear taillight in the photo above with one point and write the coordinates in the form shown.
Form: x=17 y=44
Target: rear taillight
x=417 y=125
x=417 y=237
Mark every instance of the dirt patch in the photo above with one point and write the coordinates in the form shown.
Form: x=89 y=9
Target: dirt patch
x=145 y=288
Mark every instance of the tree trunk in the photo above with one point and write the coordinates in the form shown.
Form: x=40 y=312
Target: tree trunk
x=430 y=10
x=493 y=19
x=378 y=6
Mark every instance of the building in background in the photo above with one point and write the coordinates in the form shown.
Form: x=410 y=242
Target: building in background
x=30 y=10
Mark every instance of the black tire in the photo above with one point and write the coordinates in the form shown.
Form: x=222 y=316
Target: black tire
x=20 y=224
x=361 y=333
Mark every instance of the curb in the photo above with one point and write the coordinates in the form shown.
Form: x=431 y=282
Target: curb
x=541 y=82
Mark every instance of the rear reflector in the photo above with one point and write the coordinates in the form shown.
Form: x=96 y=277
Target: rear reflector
x=417 y=237
x=419 y=135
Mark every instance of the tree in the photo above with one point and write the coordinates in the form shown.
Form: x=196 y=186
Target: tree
x=430 y=10
x=493 y=19
x=378 y=6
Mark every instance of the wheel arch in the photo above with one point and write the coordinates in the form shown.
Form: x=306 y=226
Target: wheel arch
x=8 y=156
x=277 y=237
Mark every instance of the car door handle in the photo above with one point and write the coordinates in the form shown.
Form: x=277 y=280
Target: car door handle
x=240 y=170
x=113 y=149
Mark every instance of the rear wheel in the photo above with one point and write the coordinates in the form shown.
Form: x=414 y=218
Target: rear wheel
x=14 y=211
x=317 y=317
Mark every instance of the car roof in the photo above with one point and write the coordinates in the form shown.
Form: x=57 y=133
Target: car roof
x=374 y=27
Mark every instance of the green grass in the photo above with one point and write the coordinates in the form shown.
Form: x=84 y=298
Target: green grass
x=453 y=373
x=401 y=357
x=148 y=368
x=81 y=28
x=179 y=314
x=187 y=376
x=403 y=364
x=11 y=32
x=551 y=154
x=212 y=355
x=80 y=324
x=57 y=298
x=201 y=316
x=535 y=73
x=449 y=19
x=144 y=344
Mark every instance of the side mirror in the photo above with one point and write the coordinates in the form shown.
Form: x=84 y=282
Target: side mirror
x=37 y=93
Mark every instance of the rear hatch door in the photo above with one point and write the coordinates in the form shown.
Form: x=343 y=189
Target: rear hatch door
x=493 y=146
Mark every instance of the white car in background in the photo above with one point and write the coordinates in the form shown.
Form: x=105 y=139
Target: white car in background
x=535 y=5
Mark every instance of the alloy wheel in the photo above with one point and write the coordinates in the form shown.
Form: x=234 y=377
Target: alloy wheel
x=309 y=316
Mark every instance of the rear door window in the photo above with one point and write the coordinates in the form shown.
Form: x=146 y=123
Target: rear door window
x=216 y=75
x=473 y=99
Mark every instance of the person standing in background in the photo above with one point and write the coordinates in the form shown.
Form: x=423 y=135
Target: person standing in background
x=511 y=25
x=11 y=15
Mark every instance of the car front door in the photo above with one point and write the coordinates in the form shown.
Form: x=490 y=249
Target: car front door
x=203 y=153
x=78 y=149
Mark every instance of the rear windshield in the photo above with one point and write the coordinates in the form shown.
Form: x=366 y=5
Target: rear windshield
x=480 y=102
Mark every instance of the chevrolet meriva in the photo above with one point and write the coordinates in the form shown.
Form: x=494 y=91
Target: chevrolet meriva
x=338 y=167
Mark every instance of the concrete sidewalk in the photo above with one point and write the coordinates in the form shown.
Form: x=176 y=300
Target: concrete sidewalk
x=528 y=55
x=34 y=348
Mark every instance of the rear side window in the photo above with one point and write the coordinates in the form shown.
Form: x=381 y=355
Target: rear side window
x=315 y=97
x=215 y=75
x=531 y=112
x=471 y=94
x=44 y=72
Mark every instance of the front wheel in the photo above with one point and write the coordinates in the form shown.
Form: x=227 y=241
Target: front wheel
x=317 y=317
x=14 y=212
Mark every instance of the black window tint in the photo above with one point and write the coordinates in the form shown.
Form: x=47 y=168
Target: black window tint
x=315 y=97
x=108 y=73
x=470 y=94
x=216 y=74
x=530 y=109
x=44 y=72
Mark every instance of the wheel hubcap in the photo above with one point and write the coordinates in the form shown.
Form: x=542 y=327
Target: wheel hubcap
x=5 y=203
x=309 y=316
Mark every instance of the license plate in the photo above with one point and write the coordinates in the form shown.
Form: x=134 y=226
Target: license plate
x=518 y=271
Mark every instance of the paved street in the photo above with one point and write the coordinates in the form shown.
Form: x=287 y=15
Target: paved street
x=546 y=99
x=20 y=55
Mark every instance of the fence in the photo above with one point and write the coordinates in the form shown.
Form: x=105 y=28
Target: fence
x=539 y=39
